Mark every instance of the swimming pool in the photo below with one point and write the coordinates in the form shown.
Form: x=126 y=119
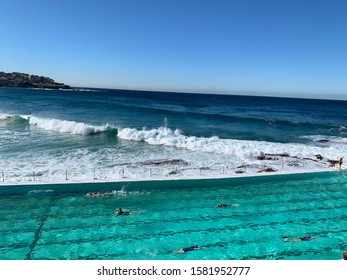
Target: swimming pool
x=59 y=222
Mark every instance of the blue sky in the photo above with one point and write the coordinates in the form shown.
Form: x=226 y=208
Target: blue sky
x=268 y=47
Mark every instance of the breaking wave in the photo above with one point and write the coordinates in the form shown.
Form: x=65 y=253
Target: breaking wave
x=63 y=126
x=7 y=119
x=239 y=148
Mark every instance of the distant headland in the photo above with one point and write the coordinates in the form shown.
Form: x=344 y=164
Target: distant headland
x=23 y=80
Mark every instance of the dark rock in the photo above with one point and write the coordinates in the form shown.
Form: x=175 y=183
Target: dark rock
x=261 y=157
x=163 y=162
x=323 y=141
x=267 y=170
x=278 y=155
x=239 y=171
x=318 y=156
x=204 y=168
x=332 y=161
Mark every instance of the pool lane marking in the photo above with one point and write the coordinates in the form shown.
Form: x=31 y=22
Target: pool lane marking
x=38 y=232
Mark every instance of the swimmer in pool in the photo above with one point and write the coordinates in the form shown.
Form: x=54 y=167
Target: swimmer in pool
x=222 y=204
x=184 y=250
x=119 y=211
x=93 y=194
x=299 y=239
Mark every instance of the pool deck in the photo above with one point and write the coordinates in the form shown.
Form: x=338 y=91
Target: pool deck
x=170 y=178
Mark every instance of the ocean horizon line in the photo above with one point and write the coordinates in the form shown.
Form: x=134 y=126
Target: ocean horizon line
x=247 y=93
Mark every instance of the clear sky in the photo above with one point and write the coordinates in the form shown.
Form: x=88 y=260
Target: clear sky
x=270 y=47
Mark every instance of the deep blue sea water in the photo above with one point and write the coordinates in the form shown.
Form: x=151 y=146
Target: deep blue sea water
x=50 y=137
x=50 y=132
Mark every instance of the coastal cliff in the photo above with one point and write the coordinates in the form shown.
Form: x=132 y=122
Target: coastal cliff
x=23 y=80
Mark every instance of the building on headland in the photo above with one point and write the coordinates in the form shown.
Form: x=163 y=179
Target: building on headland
x=23 y=80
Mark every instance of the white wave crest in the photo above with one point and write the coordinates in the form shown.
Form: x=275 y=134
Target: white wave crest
x=160 y=136
x=237 y=148
x=26 y=117
x=5 y=116
x=64 y=126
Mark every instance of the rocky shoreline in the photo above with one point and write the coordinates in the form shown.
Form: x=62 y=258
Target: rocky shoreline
x=23 y=80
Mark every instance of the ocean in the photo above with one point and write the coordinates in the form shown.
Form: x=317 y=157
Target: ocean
x=170 y=159
x=54 y=135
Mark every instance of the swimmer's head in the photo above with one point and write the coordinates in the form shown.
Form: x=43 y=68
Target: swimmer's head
x=344 y=255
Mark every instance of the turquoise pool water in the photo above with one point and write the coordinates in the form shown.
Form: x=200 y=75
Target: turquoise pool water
x=59 y=222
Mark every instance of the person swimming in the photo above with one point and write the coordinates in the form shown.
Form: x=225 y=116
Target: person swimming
x=222 y=204
x=99 y=194
x=298 y=239
x=93 y=194
x=187 y=249
x=305 y=238
x=344 y=255
x=119 y=211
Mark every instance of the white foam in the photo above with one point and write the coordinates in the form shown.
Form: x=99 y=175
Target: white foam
x=241 y=149
x=204 y=157
x=64 y=126
x=161 y=135
x=4 y=116
x=26 y=117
